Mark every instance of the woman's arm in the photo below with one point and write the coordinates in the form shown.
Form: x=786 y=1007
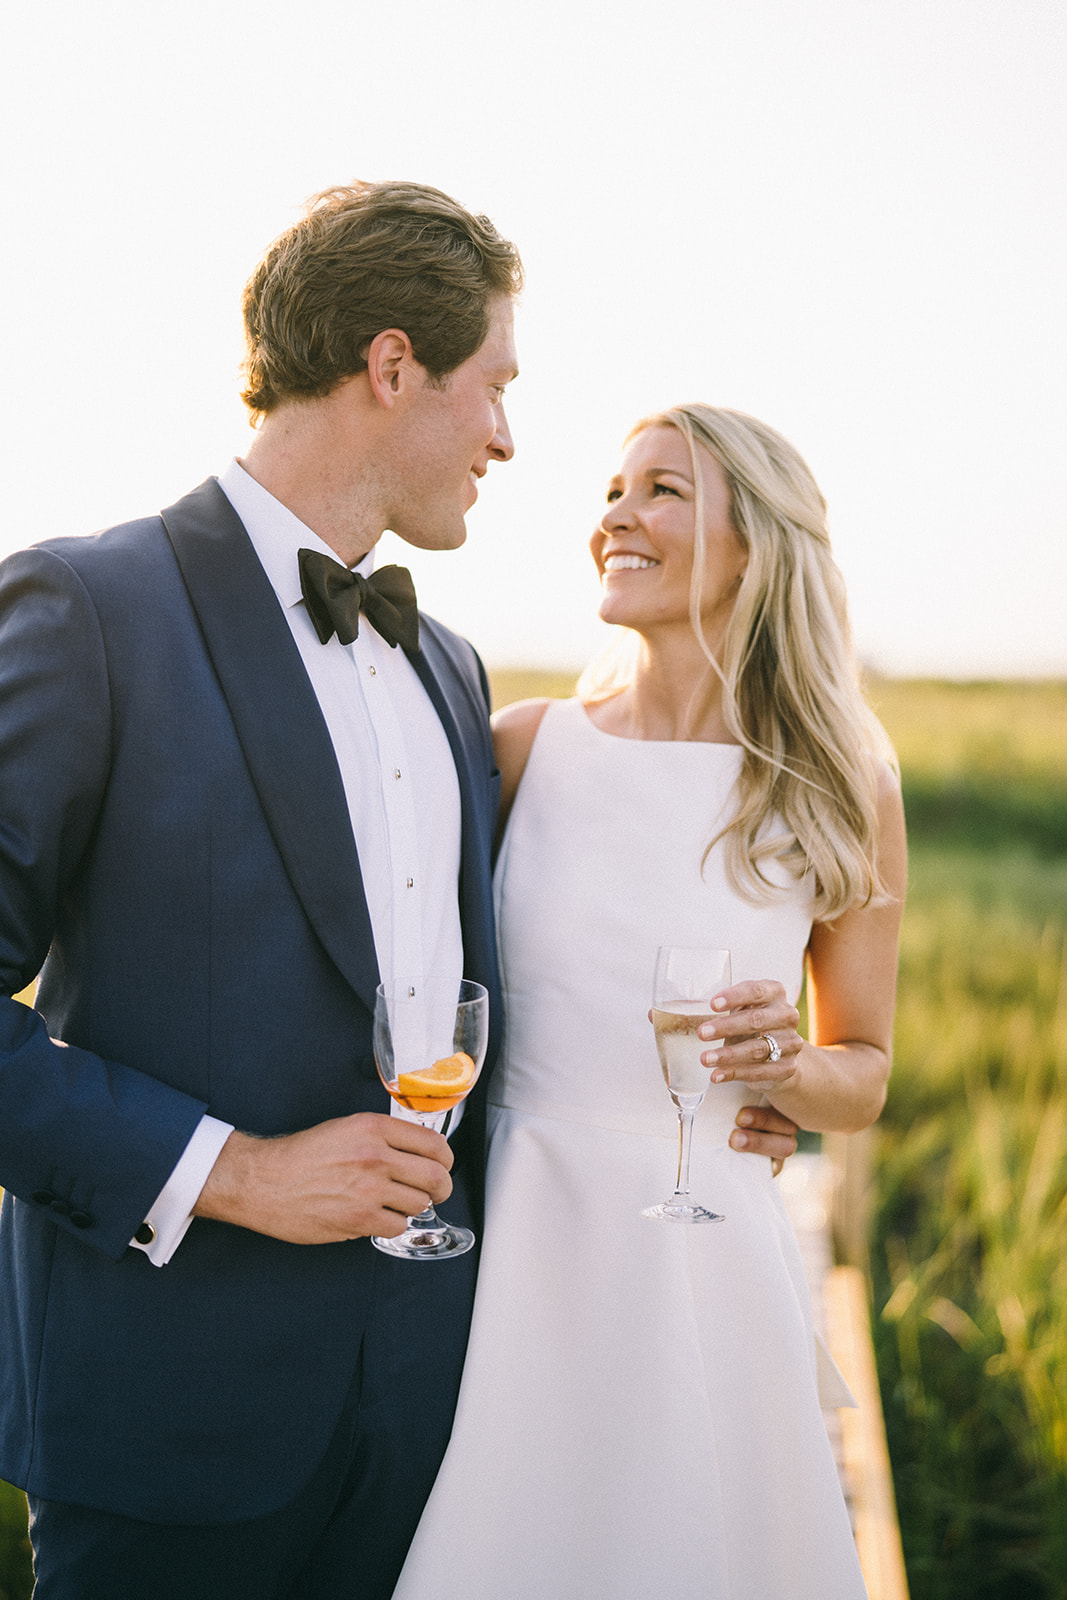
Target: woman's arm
x=837 y=1081
x=514 y=730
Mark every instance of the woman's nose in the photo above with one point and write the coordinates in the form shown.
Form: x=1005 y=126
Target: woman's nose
x=617 y=514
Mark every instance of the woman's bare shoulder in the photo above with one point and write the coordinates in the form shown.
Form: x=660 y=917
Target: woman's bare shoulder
x=514 y=731
x=520 y=720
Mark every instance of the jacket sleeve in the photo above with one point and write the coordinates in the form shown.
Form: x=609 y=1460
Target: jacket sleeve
x=90 y=1142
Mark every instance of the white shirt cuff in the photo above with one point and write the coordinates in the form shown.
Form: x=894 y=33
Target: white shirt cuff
x=168 y=1219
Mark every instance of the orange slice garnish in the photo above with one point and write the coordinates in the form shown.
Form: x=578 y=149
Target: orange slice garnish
x=452 y=1075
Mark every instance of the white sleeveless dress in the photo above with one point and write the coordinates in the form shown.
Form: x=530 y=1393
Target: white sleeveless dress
x=639 y=1415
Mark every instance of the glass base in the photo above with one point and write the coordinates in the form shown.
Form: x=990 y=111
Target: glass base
x=426 y=1244
x=672 y=1211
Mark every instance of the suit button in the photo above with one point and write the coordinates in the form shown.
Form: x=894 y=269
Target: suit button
x=62 y=1208
x=81 y=1219
x=43 y=1197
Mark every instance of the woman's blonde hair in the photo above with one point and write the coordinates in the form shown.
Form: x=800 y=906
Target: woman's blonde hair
x=807 y=791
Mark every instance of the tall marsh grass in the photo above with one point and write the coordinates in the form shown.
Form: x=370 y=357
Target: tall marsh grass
x=969 y=1253
x=16 y=1573
x=984 y=764
x=969 y=1247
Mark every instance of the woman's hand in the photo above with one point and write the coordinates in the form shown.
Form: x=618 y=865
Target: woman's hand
x=758 y=1029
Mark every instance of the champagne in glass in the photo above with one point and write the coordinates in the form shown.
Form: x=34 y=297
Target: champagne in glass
x=430 y=1038
x=680 y=1048
x=683 y=986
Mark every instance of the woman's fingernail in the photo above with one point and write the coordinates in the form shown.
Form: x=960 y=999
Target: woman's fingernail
x=718 y=1004
x=738 y=1141
x=745 y=1118
x=718 y=1077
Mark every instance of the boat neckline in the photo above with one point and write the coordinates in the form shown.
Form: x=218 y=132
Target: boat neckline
x=673 y=744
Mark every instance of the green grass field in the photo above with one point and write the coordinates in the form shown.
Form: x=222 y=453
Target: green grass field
x=15 y=1576
x=969 y=1254
x=969 y=1247
x=969 y=1232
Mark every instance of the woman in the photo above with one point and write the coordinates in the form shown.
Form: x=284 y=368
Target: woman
x=639 y=1414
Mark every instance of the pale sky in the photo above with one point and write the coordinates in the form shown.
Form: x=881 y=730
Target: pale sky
x=844 y=216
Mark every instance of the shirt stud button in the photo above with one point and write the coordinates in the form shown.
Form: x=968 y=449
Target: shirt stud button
x=396 y=772
x=411 y=883
x=374 y=672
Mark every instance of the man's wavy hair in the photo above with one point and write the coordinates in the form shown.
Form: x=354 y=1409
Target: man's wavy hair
x=791 y=692
x=363 y=258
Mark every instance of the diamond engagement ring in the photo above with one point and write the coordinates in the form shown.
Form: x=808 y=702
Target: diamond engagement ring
x=774 y=1049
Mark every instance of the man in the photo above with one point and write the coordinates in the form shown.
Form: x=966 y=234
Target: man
x=203 y=835
x=228 y=806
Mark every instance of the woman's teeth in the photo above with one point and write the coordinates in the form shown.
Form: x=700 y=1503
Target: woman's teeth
x=628 y=563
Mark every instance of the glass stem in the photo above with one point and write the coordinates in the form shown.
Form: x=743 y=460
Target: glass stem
x=429 y=1218
x=685 y=1139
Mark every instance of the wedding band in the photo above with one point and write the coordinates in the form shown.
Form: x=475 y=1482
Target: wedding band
x=774 y=1049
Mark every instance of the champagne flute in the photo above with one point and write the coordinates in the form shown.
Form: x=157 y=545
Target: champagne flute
x=683 y=985
x=430 y=1038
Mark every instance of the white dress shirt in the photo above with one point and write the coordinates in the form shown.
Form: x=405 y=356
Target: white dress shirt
x=403 y=804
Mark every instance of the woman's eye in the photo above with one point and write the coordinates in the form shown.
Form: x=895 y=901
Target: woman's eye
x=663 y=488
x=614 y=494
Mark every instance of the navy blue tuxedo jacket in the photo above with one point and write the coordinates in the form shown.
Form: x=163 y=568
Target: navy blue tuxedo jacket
x=176 y=853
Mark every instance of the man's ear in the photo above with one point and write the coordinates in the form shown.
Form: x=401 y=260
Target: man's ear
x=391 y=366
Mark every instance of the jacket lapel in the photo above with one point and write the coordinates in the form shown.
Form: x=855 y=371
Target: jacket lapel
x=463 y=716
x=279 y=724
x=454 y=690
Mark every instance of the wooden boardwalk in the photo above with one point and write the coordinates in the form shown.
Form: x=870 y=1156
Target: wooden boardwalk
x=839 y=1301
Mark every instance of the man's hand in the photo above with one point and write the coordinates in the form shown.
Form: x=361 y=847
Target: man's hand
x=344 y=1179
x=765 y=1133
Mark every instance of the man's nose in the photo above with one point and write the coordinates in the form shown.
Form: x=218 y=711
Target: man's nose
x=503 y=446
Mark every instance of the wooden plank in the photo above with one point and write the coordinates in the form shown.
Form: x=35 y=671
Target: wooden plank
x=866 y=1454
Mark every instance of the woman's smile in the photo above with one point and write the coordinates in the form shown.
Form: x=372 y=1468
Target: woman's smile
x=623 y=563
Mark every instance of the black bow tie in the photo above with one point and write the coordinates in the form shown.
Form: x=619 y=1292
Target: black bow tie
x=335 y=596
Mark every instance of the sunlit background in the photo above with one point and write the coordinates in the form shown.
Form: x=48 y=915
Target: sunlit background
x=845 y=216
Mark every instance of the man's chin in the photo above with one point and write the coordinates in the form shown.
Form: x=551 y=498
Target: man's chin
x=450 y=538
